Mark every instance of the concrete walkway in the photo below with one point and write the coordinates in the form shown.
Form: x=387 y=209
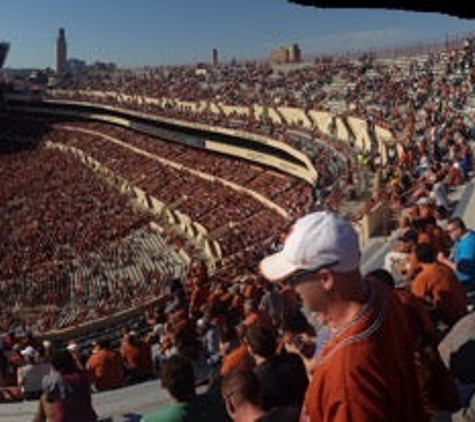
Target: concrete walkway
x=124 y=405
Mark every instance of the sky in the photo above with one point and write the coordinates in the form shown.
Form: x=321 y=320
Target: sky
x=134 y=33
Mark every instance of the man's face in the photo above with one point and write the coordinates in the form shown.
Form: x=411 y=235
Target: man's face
x=454 y=232
x=313 y=292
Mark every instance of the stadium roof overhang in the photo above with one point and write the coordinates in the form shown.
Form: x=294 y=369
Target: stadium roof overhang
x=453 y=8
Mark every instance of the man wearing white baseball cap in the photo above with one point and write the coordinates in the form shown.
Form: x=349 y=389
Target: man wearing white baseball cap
x=365 y=371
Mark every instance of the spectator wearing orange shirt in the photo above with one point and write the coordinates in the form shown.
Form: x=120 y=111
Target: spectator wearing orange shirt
x=437 y=284
x=365 y=371
x=105 y=367
x=137 y=357
x=234 y=353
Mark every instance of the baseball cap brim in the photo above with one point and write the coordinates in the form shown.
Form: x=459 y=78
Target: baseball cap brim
x=276 y=267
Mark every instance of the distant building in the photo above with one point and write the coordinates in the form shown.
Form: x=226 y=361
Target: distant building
x=4 y=47
x=295 y=55
x=286 y=54
x=215 y=57
x=61 y=52
x=76 y=65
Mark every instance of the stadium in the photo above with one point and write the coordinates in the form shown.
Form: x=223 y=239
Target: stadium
x=140 y=204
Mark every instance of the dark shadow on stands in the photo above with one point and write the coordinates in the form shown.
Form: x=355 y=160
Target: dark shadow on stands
x=132 y=417
x=20 y=133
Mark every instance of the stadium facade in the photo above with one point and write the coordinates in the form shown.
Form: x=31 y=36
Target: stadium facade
x=4 y=47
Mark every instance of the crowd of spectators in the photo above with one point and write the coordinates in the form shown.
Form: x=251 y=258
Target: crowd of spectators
x=422 y=102
x=109 y=259
x=262 y=353
x=269 y=184
x=253 y=336
x=72 y=247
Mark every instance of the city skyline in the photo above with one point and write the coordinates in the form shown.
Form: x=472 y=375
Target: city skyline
x=170 y=32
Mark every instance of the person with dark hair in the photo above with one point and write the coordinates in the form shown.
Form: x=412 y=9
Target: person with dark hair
x=242 y=395
x=383 y=276
x=137 y=356
x=178 y=379
x=235 y=354
x=437 y=285
x=67 y=393
x=439 y=238
x=240 y=391
x=462 y=259
x=283 y=377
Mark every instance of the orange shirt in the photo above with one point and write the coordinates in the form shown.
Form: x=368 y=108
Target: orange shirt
x=420 y=325
x=138 y=358
x=366 y=373
x=433 y=382
x=106 y=369
x=238 y=359
x=198 y=298
x=438 y=284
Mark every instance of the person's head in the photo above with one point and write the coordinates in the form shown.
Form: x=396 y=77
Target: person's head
x=431 y=222
x=29 y=354
x=261 y=341
x=64 y=363
x=249 y=306
x=178 y=378
x=404 y=221
x=408 y=240
x=425 y=253
x=294 y=321
x=381 y=275
x=132 y=338
x=456 y=228
x=241 y=393
x=186 y=343
x=320 y=259
x=73 y=348
x=102 y=344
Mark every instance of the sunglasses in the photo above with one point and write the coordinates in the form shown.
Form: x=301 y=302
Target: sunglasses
x=227 y=396
x=300 y=276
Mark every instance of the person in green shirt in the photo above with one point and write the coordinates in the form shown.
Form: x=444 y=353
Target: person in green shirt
x=178 y=379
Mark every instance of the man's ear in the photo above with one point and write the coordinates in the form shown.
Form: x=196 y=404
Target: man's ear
x=230 y=407
x=327 y=279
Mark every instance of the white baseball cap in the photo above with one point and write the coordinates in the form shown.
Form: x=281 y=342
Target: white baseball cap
x=29 y=351
x=316 y=240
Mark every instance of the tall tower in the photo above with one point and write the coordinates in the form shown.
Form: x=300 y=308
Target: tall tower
x=215 y=57
x=61 y=52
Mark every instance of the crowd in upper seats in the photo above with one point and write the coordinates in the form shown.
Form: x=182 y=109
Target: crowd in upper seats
x=421 y=102
x=270 y=184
